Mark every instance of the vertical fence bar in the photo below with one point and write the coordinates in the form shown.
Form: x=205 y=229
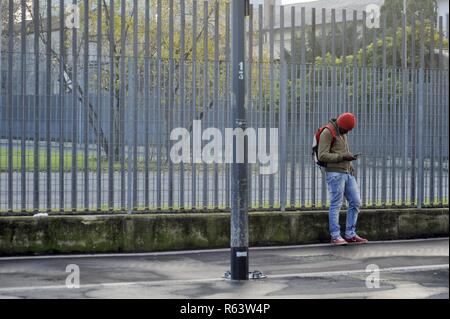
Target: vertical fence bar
x=135 y=105
x=261 y=108
x=445 y=99
x=384 y=111
x=431 y=114
x=122 y=92
x=194 y=99
x=434 y=132
x=420 y=116
x=99 y=101
x=355 y=99
x=135 y=122
x=303 y=111
x=86 y=104
x=414 y=109
x=393 y=131
x=293 y=111
x=315 y=105
x=112 y=127
x=323 y=105
x=23 y=103
x=129 y=111
x=430 y=126
x=282 y=115
x=427 y=125
x=74 y=190
x=182 y=93
x=171 y=102
x=216 y=96
x=1 y=81
x=372 y=118
x=390 y=133
x=441 y=118
x=342 y=102
x=158 y=104
x=404 y=108
x=9 y=108
x=205 y=93
x=365 y=149
x=272 y=89
x=333 y=64
x=147 y=121
x=36 y=184
x=62 y=125
x=343 y=99
x=48 y=87
x=1 y=51
x=1 y=68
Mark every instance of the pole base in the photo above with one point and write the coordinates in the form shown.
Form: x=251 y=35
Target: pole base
x=254 y=275
x=239 y=263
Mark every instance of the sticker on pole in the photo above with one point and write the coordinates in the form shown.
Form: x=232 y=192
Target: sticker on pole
x=241 y=254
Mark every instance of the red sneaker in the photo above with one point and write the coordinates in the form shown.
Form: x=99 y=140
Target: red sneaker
x=356 y=240
x=338 y=242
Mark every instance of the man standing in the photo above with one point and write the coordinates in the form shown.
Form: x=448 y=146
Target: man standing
x=334 y=152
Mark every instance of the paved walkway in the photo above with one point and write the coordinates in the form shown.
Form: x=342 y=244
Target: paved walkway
x=407 y=269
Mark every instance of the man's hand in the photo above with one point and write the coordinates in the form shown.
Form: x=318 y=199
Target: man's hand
x=349 y=157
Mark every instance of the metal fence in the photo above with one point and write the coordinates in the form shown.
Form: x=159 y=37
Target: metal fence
x=86 y=110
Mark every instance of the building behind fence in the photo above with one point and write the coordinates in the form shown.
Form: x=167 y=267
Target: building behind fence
x=87 y=105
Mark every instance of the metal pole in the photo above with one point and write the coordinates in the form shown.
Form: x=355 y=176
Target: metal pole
x=239 y=209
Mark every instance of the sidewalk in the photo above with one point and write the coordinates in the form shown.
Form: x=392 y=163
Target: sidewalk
x=408 y=269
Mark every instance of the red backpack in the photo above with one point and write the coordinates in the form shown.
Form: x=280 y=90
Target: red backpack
x=315 y=146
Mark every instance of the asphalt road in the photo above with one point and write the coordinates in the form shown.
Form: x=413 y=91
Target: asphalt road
x=406 y=269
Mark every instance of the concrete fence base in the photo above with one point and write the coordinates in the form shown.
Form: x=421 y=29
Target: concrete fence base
x=164 y=232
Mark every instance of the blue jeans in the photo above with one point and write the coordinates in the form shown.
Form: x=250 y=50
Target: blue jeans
x=340 y=185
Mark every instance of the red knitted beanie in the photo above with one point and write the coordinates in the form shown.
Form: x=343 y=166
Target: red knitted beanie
x=347 y=121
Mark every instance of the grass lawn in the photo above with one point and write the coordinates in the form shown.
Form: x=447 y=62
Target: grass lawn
x=68 y=160
x=43 y=160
